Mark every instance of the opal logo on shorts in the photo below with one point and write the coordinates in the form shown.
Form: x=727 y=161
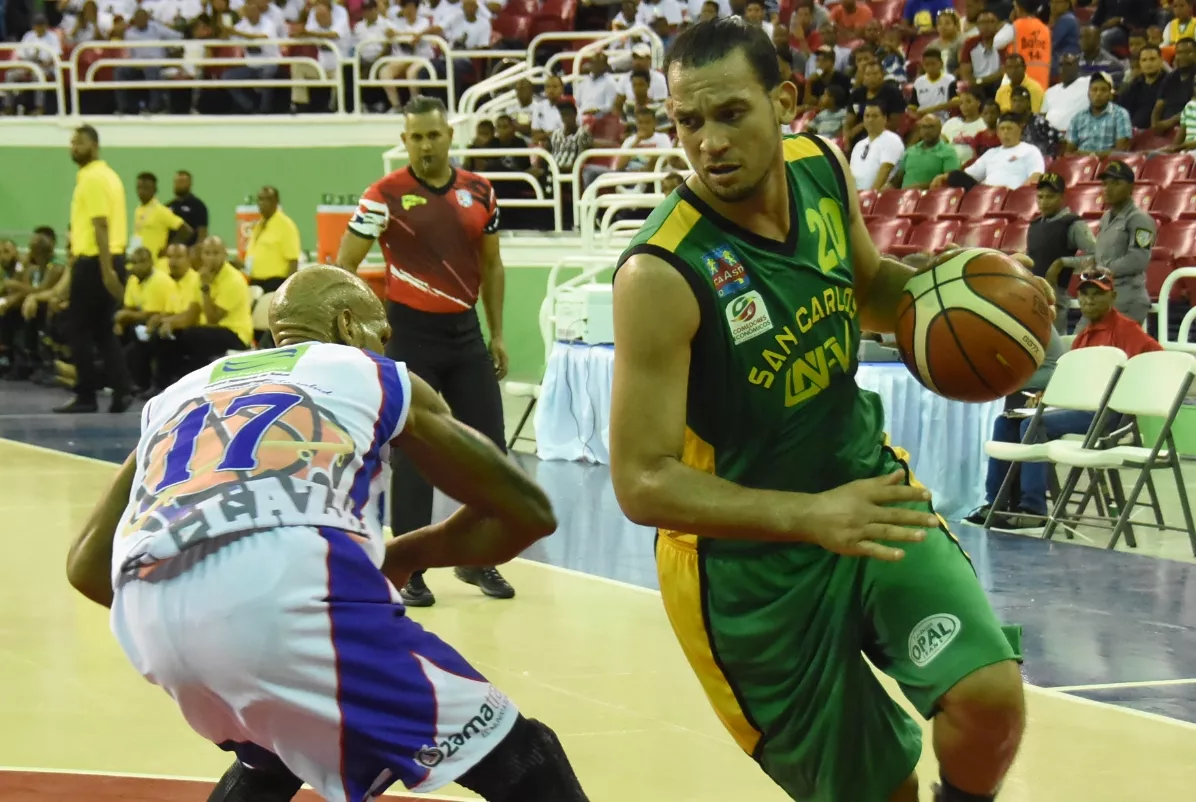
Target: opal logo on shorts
x=748 y=317
x=931 y=636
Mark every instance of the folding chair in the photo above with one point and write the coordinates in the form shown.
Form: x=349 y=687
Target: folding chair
x=1152 y=384
x=1083 y=380
x=522 y=390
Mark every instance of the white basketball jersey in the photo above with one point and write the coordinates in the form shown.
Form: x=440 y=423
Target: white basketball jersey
x=295 y=436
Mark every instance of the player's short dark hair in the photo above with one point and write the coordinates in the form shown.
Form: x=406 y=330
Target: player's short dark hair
x=1017 y=56
x=708 y=42
x=872 y=104
x=153 y=179
x=273 y=191
x=1008 y=117
x=1150 y=47
x=506 y=117
x=487 y=123
x=183 y=172
x=838 y=94
x=975 y=92
x=932 y=52
x=89 y=132
x=425 y=104
x=47 y=232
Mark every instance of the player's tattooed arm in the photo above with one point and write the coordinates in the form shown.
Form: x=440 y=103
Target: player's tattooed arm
x=504 y=513
x=89 y=561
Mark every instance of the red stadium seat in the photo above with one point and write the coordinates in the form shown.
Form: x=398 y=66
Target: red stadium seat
x=1147 y=140
x=514 y=26
x=1156 y=273
x=1014 y=238
x=1177 y=240
x=867 y=201
x=895 y=202
x=931 y=236
x=1134 y=161
x=1174 y=203
x=1085 y=200
x=522 y=8
x=979 y=202
x=983 y=233
x=888 y=232
x=936 y=203
x=1166 y=168
x=1144 y=194
x=1020 y=204
x=1076 y=169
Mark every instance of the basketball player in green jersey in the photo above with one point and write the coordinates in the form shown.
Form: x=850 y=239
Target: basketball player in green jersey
x=792 y=540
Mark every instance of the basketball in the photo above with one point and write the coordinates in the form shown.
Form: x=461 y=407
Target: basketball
x=973 y=328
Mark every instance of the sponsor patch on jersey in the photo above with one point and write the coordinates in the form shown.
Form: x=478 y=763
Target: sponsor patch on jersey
x=1143 y=237
x=931 y=636
x=411 y=201
x=276 y=360
x=747 y=317
x=726 y=271
x=464 y=198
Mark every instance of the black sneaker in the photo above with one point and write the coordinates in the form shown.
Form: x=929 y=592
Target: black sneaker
x=1024 y=519
x=416 y=593
x=77 y=405
x=488 y=579
x=979 y=516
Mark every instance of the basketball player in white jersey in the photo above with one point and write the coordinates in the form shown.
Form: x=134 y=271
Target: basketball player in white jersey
x=241 y=551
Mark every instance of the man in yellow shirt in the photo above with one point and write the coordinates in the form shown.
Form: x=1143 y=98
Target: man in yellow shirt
x=211 y=315
x=1015 y=75
x=273 y=252
x=149 y=292
x=154 y=225
x=99 y=234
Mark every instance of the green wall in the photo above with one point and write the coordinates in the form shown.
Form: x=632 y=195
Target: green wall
x=36 y=183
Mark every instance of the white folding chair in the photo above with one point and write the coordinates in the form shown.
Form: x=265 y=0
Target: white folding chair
x=1153 y=384
x=522 y=390
x=1083 y=380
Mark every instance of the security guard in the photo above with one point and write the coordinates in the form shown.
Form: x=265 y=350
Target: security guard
x=1055 y=239
x=1123 y=246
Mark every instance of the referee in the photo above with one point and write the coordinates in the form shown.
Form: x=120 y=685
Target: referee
x=99 y=235
x=437 y=227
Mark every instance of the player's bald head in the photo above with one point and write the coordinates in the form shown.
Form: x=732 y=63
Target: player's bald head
x=330 y=305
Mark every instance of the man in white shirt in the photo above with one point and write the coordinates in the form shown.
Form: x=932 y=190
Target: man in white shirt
x=43 y=47
x=444 y=18
x=340 y=15
x=641 y=59
x=169 y=12
x=369 y=29
x=253 y=29
x=322 y=26
x=873 y=157
x=1014 y=164
x=474 y=30
x=1069 y=96
x=961 y=131
x=693 y=9
x=407 y=22
x=631 y=13
x=934 y=89
x=546 y=117
x=646 y=137
x=523 y=109
x=595 y=93
x=142 y=28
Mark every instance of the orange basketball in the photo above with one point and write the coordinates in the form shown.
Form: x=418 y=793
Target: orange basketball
x=974 y=328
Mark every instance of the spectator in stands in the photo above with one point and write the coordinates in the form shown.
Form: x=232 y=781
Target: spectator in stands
x=141 y=28
x=1185 y=134
x=1182 y=24
x=949 y=40
x=851 y=17
x=641 y=61
x=664 y=15
x=979 y=58
x=524 y=107
x=1094 y=58
x=753 y=15
x=14 y=286
x=934 y=90
x=328 y=29
x=920 y=16
x=1177 y=88
x=647 y=138
x=640 y=100
x=472 y=32
x=1104 y=321
x=1139 y=96
x=1137 y=41
x=407 y=22
x=224 y=19
x=631 y=13
x=42 y=47
x=1101 y=128
x=507 y=136
x=1065 y=32
x=832 y=112
x=85 y=26
x=154 y=224
x=1116 y=18
x=1035 y=128
x=546 y=118
x=1065 y=99
x=372 y=26
x=483 y=138
x=710 y=10
x=191 y=209
x=255 y=29
x=42 y=275
x=803 y=33
x=148 y=292
x=570 y=139
x=1123 y=245
x=1014 y=164
x=961 y=132
x=1031 y=40
x=989 y=138
x=1015 y=76
x=1055 y=241
x=876 y=154
x=926 y=159
x=825 y=75
x=273 y=252
x=597 y=91
x=891 y=55
x=886 y=95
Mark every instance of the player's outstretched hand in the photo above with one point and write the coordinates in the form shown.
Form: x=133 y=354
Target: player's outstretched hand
x=854 y=519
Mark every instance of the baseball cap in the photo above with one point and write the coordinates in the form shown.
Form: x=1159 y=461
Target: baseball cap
x=1119 y=171
x=641 y=49
x=1097 y=277
x=1051 y=181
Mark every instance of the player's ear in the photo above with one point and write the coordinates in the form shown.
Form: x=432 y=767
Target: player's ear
x=784 y=102
x=345 y=329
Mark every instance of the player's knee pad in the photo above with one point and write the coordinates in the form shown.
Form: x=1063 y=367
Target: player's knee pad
x=243 y=783
x=529 y=765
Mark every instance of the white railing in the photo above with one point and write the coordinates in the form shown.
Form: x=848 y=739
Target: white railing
x=662 y=156
x=20 y=61
x=448 y=83
x=1183 y=342
x=594 y=202
x=539 y=202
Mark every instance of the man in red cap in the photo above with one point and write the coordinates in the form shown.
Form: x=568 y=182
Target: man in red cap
x=1106 y=325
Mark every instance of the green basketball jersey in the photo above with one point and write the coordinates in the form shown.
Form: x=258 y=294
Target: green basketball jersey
x=772 y=400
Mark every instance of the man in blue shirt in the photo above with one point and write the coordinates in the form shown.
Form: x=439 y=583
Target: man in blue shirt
x=1065 y=32
x=1101 y=128
x=921 y=14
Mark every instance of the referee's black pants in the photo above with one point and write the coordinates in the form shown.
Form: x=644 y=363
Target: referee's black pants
x=90 y=321
x=448 y=352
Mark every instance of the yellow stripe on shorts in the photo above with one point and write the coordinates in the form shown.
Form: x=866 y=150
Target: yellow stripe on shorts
x=903 y=457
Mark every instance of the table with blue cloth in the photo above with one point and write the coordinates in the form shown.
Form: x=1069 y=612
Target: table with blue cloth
x=945 y=439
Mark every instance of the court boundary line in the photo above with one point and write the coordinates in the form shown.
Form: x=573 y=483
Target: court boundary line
x=124 y=775
x=1112 y=686
x=1056 y=692
x=56 y=452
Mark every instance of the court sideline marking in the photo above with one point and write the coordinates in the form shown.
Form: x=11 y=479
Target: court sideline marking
x=1057 y=692
x=1103 y=686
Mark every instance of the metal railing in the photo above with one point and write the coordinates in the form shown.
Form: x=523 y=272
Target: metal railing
x=20 y=61
x=1183 y=341
x=662 y=156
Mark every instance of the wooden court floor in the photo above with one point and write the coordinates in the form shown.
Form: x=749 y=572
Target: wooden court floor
x=593 y=658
